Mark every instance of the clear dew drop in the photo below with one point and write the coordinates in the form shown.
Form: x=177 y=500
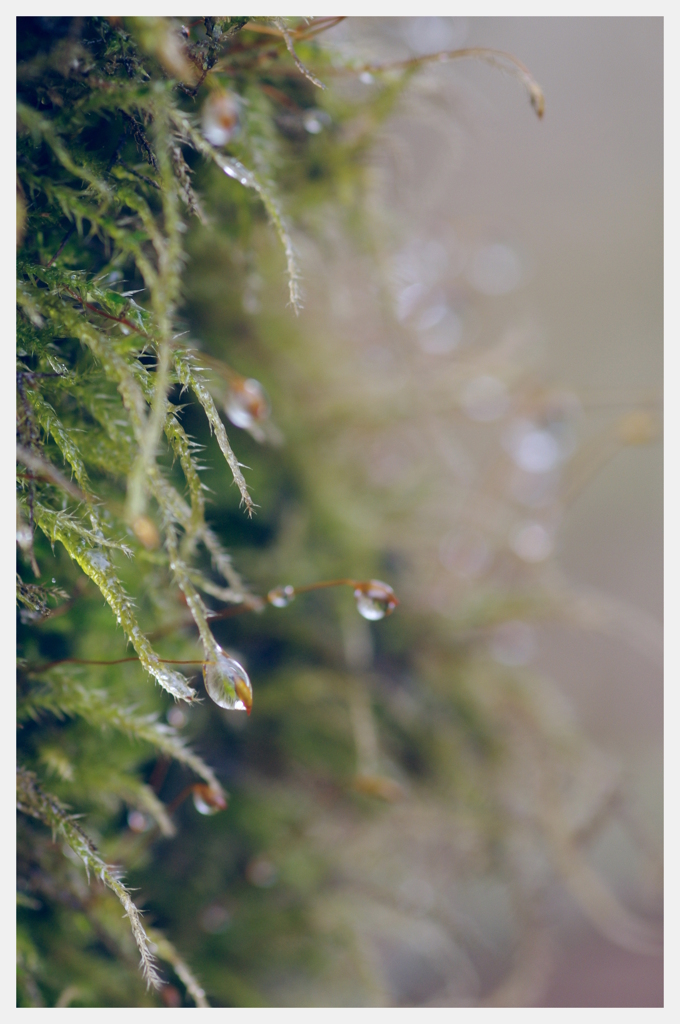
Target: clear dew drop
x=138 y=822
x=532 y=542
x=375 y=600
x=246 y=403
x=227 y=683
x=177 y=718
x=206 y=800
x=220 y=118
x=281 y=597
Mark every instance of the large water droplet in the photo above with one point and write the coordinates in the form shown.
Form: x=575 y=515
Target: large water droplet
x=220 y=118
x=315 y=120
x=532 y=542
x=227 y=683
x=534 y=450
x=99 y=560
x=215 y=919
x=246 y=403
x=375 y=600
x=177 y=718
x=138 y=822
x=261 y=872
x=281 y=597
x=206 y=800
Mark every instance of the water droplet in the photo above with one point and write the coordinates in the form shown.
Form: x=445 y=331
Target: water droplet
x=315 y=121
x=220 y=118
x=215 y=919
x=533 y=448
x=171 y=996
x=207 y=800
x=145 y=531
x=375 y=600
x=281 y=597
x=99 y=560
x=138 y=822
x=513 y=643
x=537 y=452
x=177 y=718
x=261 y=872
x=532 y=542
x=24 y=536
x=485 y=399
x=227 y=683
x=246 y=403
x=408 y=298
x=431 y=316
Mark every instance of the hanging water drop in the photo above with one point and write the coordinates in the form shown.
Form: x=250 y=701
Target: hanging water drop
x=138 y=822
x=206 y=800
x=246 y=403
x=375 y=600
x=220 y=118
x=227 y=683
x=281 y=597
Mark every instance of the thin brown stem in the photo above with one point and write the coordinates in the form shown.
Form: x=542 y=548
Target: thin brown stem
x=326 y=583
x=61 y=247
x=108 y=316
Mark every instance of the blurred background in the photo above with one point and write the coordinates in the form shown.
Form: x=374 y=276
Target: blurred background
x=460 y=804
x=516 y=284
x=470 y=407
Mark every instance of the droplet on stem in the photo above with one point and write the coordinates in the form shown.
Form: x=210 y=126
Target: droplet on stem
x=246 y=403
x=207 y=800
x=227 y=683
x=138 y=822
x=145 y=531
x=282 y=596
x=375 y=599
x=220 y=117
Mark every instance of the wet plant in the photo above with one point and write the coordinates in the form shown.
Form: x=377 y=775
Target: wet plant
x=160 y=167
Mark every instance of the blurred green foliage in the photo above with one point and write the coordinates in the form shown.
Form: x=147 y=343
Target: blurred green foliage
x=399 y=732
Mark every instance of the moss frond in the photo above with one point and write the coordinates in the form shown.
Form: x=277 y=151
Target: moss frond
x=34 y=801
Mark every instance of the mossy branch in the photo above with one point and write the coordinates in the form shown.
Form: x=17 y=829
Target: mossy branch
x=66 y=696
x=189 y=376
x=235 y=169
x=58 y=526
x=166 y=951
x=34 y=801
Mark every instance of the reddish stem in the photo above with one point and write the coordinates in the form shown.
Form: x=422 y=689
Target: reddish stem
x=108 y=316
